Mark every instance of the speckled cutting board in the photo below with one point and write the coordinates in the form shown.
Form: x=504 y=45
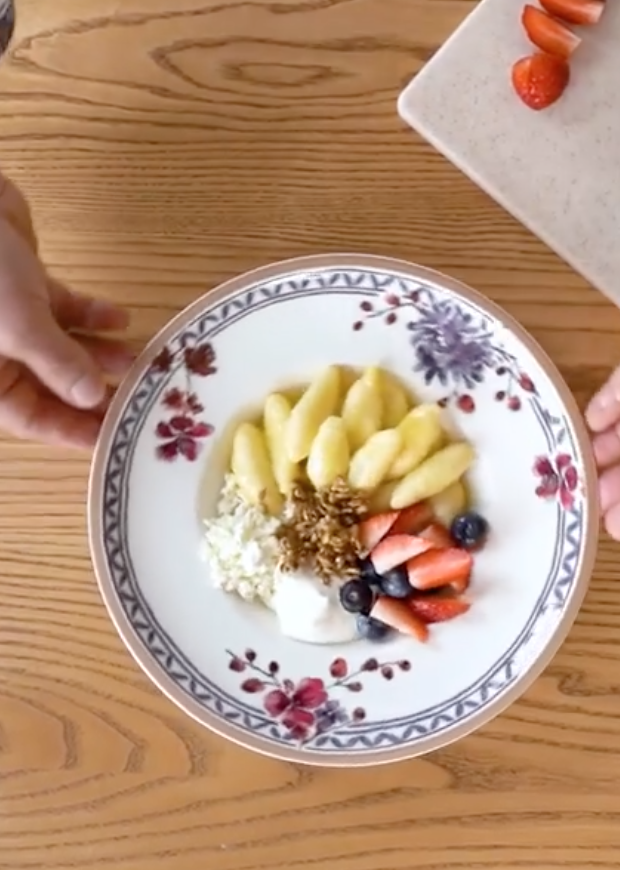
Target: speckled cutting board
x=557 y=171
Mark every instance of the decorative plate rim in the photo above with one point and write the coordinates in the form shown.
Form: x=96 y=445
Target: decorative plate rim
x=142 y=655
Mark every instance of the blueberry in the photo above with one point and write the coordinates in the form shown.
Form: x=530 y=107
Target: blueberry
x=395 y=583
x=368 y=573
x=469 y=530
x=371 y=629
x=356 y=596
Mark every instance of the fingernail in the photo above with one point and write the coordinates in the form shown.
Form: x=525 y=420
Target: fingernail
x=88 y=392
x=603 y=399
x=599 y=406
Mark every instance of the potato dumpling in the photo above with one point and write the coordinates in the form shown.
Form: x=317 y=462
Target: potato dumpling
x=251 y=466
x=319 y=402
x=372 y=461
x=329 y=454
x=449 y=503
x=421 y=432
x=275 y=420
x=381 y=498
x=434 y=475
x=362 y=412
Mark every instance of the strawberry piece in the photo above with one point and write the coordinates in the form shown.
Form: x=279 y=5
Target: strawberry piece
x=396 y=550
x=548 y=34
x=461 y=585
x=374 y=529
x=398 y=615
x=575 y=11
x=437 y=568
x=540 y=80
x=438 y=535
x=412 y=519
x=433 y=609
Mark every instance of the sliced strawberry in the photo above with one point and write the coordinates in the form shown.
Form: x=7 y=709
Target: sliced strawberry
x=374 y=529
x=398 y=615
x=412 y=519
x=575 y=11
x=438 y=535
x=438 y=568
x=461 y=585
x=548 y=34
x=396 y=550
x=433 y=609
x=540 y=79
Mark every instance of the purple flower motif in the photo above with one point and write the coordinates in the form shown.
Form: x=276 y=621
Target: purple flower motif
x=329 y=716
x=450 y=346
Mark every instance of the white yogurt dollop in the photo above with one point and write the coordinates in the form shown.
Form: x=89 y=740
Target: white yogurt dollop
x=309 y=611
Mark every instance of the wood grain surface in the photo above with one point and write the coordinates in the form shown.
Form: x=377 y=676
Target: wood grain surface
x=167 y=145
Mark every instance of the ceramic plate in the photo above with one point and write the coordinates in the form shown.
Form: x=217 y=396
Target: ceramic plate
x=162 y=452
x=556 y=171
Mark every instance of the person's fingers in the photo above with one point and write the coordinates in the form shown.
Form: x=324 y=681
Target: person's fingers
x=612 y=522
x=604 y=409
x=15 y=209
x=607 y=447
x=27 y=413
x=74 y=310
x=61 y=363
x=609 y=488
x=112 y=357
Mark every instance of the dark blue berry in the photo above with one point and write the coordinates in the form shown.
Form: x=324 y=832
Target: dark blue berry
x=395 y=583
x=368 y=573
x=469 y=530
x=371 y=629
x=356 y=596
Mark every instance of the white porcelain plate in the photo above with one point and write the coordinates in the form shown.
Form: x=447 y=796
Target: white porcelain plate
x=219 y=658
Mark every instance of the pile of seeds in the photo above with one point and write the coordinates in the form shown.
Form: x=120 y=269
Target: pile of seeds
x=320 y=530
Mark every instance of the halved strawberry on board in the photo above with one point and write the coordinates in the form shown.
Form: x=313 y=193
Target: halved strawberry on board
x=374 y=529
x=396 y=550
x=575 y=11
x=540 y=80
x=431 y=609
x=549 y=35
x=437 y=568
x=398 y=615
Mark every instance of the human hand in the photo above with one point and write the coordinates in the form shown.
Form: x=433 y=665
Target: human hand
x=53 y=367
x=603 y=418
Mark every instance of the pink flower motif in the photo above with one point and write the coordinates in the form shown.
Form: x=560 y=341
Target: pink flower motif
x=181 y=436
x=294 y=707
x=558 y=479
x=179 y=400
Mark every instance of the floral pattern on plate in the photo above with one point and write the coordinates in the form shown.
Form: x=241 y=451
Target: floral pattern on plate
x=182 y=431
x=143 y=527
x=460 y=350
x=306 y=710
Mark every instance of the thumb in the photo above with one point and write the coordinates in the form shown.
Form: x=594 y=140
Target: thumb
x=62 y=364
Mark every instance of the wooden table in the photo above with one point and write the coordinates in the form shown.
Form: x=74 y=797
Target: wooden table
x=167 y=145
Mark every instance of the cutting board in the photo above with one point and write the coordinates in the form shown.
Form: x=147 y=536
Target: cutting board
x=557 y=171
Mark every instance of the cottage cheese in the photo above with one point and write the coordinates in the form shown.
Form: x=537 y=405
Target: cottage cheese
x=243 y=556
x=241 y=548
